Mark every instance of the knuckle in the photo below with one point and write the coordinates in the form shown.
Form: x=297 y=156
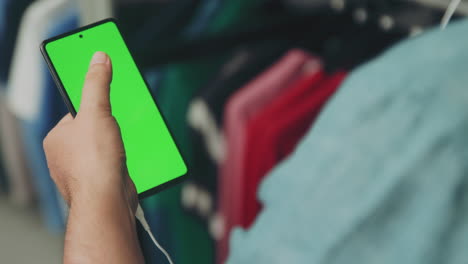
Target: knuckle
x=46 y=142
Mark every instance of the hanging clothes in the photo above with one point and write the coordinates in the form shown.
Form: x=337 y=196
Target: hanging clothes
x=169 y=22
x=202 y=18
x=205 y=121
x=35 y=101
x=241 y=107
x=21 y=191
x=92 y=10
x=176 y=89
x=182 y=80
x=11 y=12
x=20 y=188
x=274 y=132
x=382 y=176
x=164 y=208
x=3 y=180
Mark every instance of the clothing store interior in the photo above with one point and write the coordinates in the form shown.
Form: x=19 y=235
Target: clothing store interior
x=315 y=131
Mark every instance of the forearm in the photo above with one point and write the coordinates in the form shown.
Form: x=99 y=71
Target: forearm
x=101 y=229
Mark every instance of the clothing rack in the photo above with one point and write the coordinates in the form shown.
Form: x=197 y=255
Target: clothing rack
x=328 y=19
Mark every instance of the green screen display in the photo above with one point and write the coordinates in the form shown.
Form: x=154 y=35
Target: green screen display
x=152 y=156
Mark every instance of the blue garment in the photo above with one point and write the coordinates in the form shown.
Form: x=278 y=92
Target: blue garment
x=11 y=12
x=153 y=78
x=3 y=20
x=51 y=110
x=166 y=24
x=159 y=221
x=202 y=18
x=3 y=179
x=382 y=177
x=3 y=182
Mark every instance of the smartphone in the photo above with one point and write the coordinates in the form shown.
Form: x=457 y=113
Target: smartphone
x=153 y=159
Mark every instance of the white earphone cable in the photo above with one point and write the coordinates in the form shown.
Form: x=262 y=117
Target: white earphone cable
x=140 y=215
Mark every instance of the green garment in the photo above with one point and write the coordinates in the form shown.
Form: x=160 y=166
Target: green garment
x=180 y=83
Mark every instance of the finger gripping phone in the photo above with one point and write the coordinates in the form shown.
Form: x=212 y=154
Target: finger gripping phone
x=153 y=159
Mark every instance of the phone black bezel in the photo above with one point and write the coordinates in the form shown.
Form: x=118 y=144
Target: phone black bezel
x=72 y=110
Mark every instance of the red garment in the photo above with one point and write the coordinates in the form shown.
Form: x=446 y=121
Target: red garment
x=274 y=132
x=240 y=108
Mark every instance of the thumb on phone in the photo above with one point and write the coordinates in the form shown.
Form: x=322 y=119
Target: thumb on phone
x=95 y=95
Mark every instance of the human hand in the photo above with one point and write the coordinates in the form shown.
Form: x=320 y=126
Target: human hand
x=86 y=159
x=85 y=154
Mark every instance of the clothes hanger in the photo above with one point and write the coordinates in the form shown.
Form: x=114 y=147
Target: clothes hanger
x=451 y=9
x=281 y=27
x=362 y=40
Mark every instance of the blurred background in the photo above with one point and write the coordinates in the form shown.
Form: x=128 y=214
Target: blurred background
x=316 y=131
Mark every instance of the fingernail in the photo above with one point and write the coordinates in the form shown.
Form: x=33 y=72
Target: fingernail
x=99 y=57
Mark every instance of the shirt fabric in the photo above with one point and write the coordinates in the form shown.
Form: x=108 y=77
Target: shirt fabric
x=273 y=134
x=11 y=12
x=24 y=94
x=241 y=107
x=160 y=218
x=202 y=18
x=168 y=23
x=13 y=162
x=382 y=175
x=21 y=191
x=35 y=101
x=205 y=119
x=177 y=87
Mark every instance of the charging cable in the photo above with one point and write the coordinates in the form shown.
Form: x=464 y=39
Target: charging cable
x=140 y=215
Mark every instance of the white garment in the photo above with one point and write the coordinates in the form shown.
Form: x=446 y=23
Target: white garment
x=26 y=79
x=202 y=120
x=92 y=10
x=21 y=191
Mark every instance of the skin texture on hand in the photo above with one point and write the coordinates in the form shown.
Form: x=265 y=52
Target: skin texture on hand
x=86 y=159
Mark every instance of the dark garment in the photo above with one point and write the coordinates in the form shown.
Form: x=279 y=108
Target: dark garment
x=247 y=63
x=166 y=22
x=159 y=219
x=3 y=178
x=201 y=19
x=11 y=12
x=179 y=84
x=244 y=65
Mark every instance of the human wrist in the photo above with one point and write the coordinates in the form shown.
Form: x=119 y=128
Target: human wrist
x=100 y=219
x=99 y=195
x=109 y=191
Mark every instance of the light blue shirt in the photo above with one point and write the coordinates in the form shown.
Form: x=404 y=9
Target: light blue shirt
x=382 y=177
